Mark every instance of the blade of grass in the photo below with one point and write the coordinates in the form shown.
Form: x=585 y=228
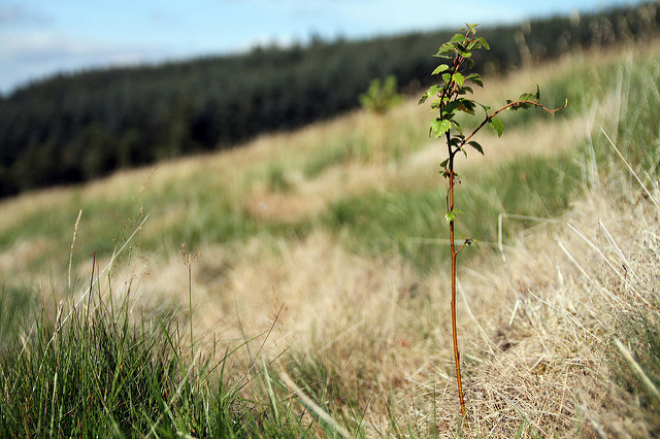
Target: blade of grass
x=288 y=382
x=647 y=384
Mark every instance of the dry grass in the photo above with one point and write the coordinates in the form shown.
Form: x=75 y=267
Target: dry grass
x=535 y=366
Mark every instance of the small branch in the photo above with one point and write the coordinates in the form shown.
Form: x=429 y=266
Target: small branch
x=466 y=243
x=489 y=117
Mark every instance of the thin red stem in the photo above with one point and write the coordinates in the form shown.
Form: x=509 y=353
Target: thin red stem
x=454 y=254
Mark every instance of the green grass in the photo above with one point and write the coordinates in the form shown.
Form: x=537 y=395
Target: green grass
x=411 y=222
x=14 y=311
x=277 y=180
x=99 y=368
x=326 y=159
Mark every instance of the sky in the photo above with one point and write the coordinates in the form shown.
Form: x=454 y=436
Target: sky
x=39 y=38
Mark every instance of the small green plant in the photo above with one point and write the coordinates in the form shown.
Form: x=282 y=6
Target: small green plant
x=381 y=95
x=448 y=98
x=277 y=180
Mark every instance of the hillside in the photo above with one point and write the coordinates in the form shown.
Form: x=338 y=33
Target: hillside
x=319 y=254
x=78 y=127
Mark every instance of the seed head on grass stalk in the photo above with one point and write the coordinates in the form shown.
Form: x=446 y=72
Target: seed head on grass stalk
x=448 y=98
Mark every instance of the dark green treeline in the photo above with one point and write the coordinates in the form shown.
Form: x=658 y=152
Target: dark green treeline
x=73 y=128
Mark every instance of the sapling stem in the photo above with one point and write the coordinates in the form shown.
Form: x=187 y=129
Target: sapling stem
x=454 y=254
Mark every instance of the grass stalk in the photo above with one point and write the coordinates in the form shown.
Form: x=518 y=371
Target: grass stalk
x=647 y=384
x=312 y=406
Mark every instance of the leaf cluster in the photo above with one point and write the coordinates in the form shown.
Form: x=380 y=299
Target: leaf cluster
x=448 y=97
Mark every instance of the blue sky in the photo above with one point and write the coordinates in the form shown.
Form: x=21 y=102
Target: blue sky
x=41 y=37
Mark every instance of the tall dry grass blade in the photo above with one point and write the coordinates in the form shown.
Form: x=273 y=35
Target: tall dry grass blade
x=597 y=250
x=572 y=259
x=500 y=222
x=310 y=404
x=485 y=336
x=73 y=243
x=567 y=315
x=600 y=431
x=647 y=384
x=632 y=171
x=342 y=335
x=613 y=242
x=112 y=260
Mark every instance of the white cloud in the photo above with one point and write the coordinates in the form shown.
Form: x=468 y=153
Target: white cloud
x=42 y=46
x=16 y=14
x=27 y=56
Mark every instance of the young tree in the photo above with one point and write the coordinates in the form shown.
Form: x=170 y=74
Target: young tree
x=448 y=98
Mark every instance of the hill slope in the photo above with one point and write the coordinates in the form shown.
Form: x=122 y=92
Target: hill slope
x=329 y=240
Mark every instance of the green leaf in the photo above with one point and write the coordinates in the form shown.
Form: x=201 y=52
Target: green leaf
x=475 y=78
x=434 y=90
x=485 y=107
x=458 y=38
x=458 y=127
x=497 y=125
x=456 y=141
x=435 y=104
x=450 y=109
x=472 y=27
x=459 y=79
x=476 y=146
x=445 y=49
x=484 y=43
x=440 y=127
x=466 y=106
x=451 y=216
x=441 y=68
x=477 y=44
x=444 y=163
x=463 y=51
x=534 y=97
x=430 y=92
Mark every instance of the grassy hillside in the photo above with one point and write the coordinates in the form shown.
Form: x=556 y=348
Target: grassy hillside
x=313 y=263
